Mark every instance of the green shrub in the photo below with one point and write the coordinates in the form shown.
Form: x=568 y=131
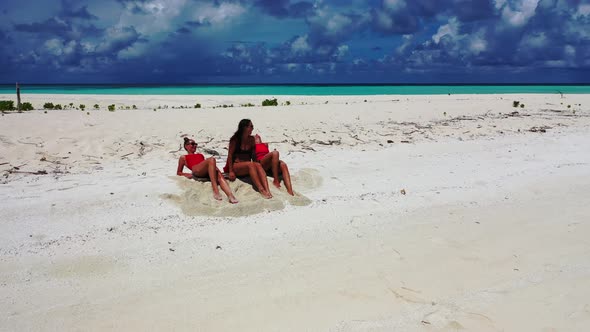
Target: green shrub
x=96 y=106
x=71 y=105
x=26 y=106
x=270 y=102
x=197 y=105
x=521 y=105
x=569 y=106
x=48 y=106
x=515 y=103
x=82 y=106
x=288 y=103
x=134 y=107
x=111 y=108
x=6 y=105
x=57 y=107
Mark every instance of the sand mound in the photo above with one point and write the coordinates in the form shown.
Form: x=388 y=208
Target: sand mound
x=197 y=198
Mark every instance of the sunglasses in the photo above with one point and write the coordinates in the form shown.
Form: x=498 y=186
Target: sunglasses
x=193 y=143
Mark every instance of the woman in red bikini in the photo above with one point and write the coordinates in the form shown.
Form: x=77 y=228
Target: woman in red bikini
x=202 y=167
x=241 y=155
x=271 y=161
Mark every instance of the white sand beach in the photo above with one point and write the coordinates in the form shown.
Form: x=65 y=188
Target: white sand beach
x=412 y=213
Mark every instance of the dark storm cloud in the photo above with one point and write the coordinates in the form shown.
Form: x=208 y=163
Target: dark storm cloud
x=49 y=26
x=81 y=13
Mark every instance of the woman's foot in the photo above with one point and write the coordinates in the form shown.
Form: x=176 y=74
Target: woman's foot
x=291 y=192
x=266 y=194
x=277 y=183
x=232 y=199
x=217 y=196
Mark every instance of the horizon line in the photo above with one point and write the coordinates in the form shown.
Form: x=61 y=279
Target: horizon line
x=292 y=84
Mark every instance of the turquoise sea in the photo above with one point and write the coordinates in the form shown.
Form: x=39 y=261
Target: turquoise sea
x=301 y=90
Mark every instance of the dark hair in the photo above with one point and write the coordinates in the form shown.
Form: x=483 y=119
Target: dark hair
x=240 y=132
x=186 y=141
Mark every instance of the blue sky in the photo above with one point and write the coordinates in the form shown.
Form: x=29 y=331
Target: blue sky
x=293 y=41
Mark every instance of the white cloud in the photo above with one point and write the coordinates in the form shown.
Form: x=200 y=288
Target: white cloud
x=477 y=45
x=54 y=46
x=332 y=67
x=133 y=51
x=384 y=20
x=583 y=10
x=394 y=5
x=520 y=15
x=335 y=26
x=218 y=15
x=556 y=63
x=59 y=47
x=300 y=45
x=404 y=46
x=292 y=67
x=160 y=15
x=570 y=50
x=457 y=45
x=341 y=51
x=88 y=46
x=359 y=62
x=69 y=47
x=451 y=29
x=499 y=3
x=117 y=39
x=337 y=23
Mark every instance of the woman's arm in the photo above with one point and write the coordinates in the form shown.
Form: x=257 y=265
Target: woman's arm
x=181 y=164
x=230 y=159
x=252 y=148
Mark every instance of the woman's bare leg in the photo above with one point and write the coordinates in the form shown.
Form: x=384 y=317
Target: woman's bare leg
x=263 y=178
x=286 y=177
x=271 y=162
x=249 y=168
x=209 y=168
x=225 y=187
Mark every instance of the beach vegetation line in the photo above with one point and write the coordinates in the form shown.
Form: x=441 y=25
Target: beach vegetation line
x=270 y=102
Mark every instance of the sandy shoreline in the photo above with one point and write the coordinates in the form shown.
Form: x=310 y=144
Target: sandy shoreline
x=490 y=235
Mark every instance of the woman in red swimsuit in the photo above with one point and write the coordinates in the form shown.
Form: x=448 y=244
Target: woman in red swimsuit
x=241 y=155
x=202 y=167
x=271 y=161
